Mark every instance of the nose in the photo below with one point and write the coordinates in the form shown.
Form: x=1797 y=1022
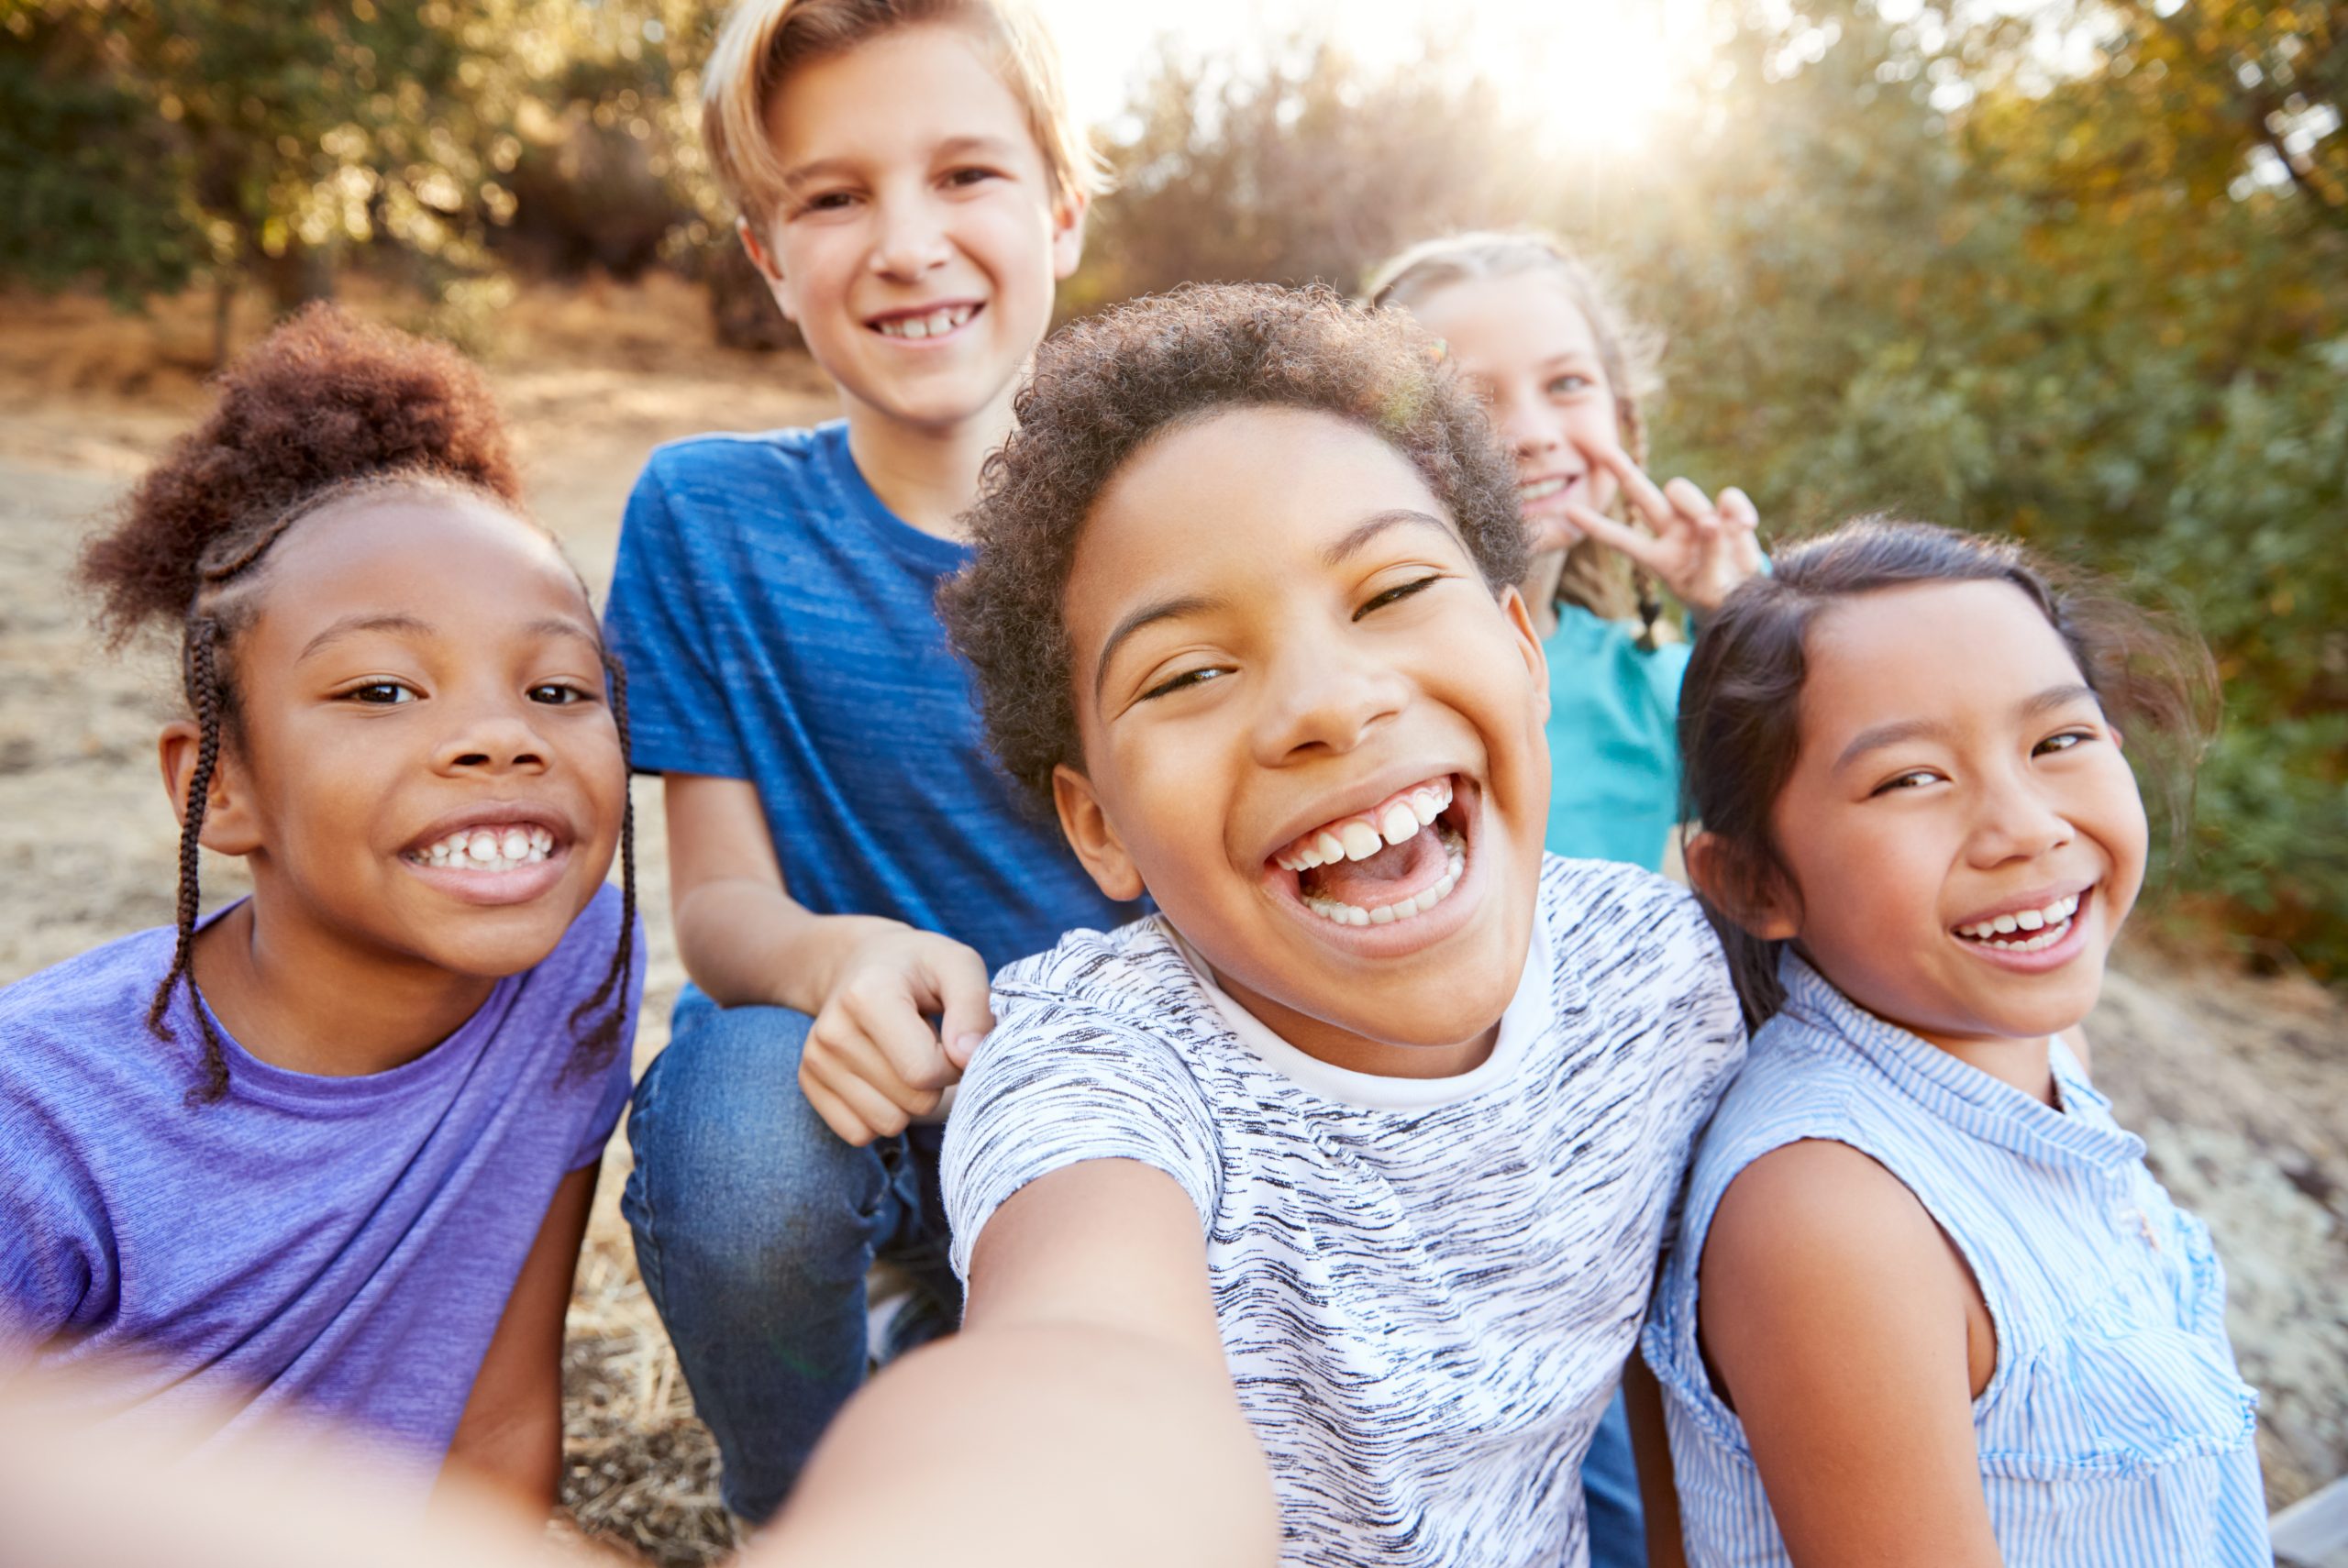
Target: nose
x=1323 y=700
x=912 y=239
x=493 y=739
x=1525 y=427
x=2016 y=820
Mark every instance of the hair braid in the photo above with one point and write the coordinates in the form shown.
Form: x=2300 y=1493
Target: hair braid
x=595 y=1046
x=206 y=696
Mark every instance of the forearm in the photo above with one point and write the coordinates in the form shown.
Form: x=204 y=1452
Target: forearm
x=746 y=942
x=515 y=1457
x=1034 y=1445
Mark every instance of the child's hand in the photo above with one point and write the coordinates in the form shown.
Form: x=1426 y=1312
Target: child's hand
x=872 y=1063
x=1700 y=550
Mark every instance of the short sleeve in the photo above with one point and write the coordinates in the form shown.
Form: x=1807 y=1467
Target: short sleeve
x=46 y=1245
x=1058 y=1084
x=614 y=1084
x=657 y=621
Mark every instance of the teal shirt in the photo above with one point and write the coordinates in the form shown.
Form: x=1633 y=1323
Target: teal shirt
x=1613 y=742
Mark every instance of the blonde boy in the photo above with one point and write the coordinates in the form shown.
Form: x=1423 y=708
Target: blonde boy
x=846 y=865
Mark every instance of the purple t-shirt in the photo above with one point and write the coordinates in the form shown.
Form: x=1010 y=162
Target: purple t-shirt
x=343 y=1245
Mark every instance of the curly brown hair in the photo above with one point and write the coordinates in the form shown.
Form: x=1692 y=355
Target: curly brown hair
x=324 y=411
x=1106 y=387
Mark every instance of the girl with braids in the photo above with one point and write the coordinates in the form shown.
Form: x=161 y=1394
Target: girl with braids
x=1561 y=370
x=331 y=1148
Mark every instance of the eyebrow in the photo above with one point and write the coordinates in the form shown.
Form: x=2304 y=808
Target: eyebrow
x=952 y=146
x=352 y=625
x=1370 y=528
x=1882 y=735
x=1148 y=615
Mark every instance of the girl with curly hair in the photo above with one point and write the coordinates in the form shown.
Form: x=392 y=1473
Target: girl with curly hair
x=330 y=1148
x=1349 y=1168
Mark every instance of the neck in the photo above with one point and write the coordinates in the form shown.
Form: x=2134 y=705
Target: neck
x=1542 y=576
x=927 y=475
x=1326 y=1041
x=2028 y=1064
x=298 y=998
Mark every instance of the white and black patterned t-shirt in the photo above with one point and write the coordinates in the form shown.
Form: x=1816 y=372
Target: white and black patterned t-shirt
x=1426 y=1289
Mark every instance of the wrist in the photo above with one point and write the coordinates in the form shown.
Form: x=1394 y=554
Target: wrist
x=815 y=958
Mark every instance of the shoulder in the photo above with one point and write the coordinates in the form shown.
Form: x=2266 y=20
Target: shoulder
x=1628 y=931
x=1127 y=994
x=725 y=473
x=69 y=1016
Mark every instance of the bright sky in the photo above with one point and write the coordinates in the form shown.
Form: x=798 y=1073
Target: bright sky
x=1598 y=69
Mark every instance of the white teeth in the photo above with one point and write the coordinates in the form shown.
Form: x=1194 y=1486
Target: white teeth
x=1363 y=836
x=1400 y=824
x=2048 y=922
x=1539 y=488
x=913 y=326
x=1423 y=807
x=1338 y=911
x=937 y=324
x=1361 y=841
x=941 y=322
x=486 y=849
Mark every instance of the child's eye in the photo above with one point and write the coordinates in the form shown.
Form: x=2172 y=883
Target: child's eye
x=971 y=176
x=1188 y=678
x=380 y=694
x=1914 y=778
x=825 y=202
x=1571 y=383
x=1402 y=592
x=2060 y=743
x=555 y=694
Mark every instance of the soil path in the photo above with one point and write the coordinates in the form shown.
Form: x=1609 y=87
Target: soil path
x=2238 y=1086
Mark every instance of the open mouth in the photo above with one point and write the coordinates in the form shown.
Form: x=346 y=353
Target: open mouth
x=941 y=321
x=1391 y=865
x=2026 y=930
x=488 y=847
x=1534 y=491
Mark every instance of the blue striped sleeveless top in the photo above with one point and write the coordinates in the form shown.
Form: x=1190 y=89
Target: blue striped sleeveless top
x=2115 y=1429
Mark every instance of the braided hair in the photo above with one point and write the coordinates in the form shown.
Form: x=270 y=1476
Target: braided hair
x=325 y=411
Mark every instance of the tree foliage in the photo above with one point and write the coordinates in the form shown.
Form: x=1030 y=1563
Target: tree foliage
x=2079 y=274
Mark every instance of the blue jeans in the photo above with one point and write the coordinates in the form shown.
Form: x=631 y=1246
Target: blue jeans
x=1610 y=1483
x=755 y=1225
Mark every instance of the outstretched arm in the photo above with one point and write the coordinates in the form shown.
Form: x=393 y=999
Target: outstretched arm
x=1084 y=1414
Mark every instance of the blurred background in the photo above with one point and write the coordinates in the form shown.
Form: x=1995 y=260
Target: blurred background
x=2075 y=270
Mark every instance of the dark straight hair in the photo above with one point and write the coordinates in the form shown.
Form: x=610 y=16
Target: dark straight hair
x=1740 y=706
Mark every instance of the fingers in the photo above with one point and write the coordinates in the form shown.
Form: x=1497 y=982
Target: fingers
x=1637 y=488
x=848 y=1105
x=1737 y=509
x=965 y=1013
x=1643 y=549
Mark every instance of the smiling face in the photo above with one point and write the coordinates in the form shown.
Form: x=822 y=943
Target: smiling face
x=1962 y=831
x=918 y=242
x=1533 y=358
x=424 y=767
x=1313 y=734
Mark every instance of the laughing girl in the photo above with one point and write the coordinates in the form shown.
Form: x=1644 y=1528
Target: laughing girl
x=330 y=1148
x=1927 y=1305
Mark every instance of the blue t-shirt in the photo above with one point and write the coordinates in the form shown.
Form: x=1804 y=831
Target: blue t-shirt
x=780 y=626
x=337 y=1245
x=1614 y=740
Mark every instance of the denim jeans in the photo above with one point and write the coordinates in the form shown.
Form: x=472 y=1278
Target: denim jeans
x=755 y=1225
x=1610 y=1483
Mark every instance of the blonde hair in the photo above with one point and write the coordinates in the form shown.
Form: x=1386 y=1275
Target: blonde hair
x=762 y=41
x=1595 y=578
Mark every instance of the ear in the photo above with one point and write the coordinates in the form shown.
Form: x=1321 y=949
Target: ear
x=1068 y=235
x=1093 y=836
x=229 y=824
x=1761 y=902
x=768 y=266
x=1537 y=658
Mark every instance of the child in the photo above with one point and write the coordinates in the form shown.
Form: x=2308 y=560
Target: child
x=1372 y=1134
x=331 y=1147
x=1562 y=373
x=845 y=865
x=1926 y=1302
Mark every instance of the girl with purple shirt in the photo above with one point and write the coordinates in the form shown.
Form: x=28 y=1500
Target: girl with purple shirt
x=330 y=1149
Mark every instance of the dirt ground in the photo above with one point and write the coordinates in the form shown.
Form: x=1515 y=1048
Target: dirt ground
x=2239 y=1086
